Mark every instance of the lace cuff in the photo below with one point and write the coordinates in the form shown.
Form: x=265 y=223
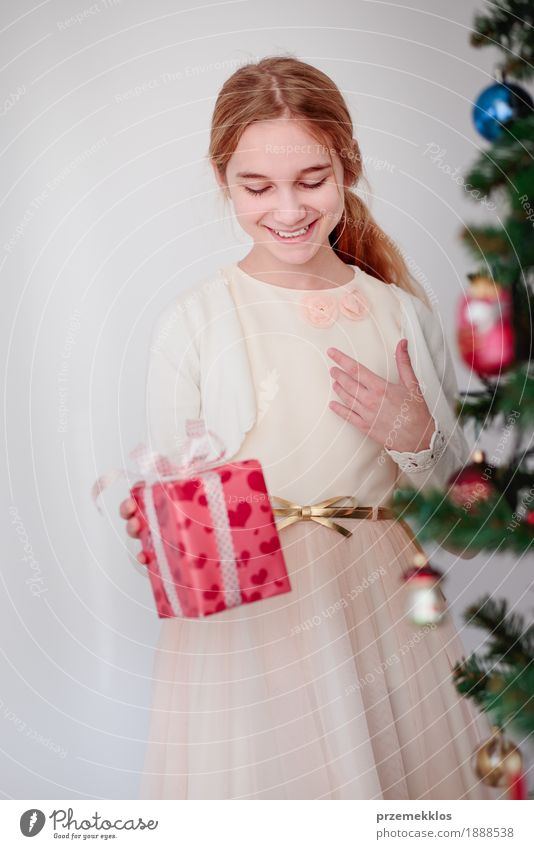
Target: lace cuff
x=419 y=461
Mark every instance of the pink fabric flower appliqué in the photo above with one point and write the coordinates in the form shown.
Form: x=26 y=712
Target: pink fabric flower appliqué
x=319 y=309
x=353 y=305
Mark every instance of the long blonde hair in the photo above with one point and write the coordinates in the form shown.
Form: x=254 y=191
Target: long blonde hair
x=285 y=87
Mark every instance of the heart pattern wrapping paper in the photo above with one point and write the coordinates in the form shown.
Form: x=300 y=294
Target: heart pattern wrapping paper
x=210 y=540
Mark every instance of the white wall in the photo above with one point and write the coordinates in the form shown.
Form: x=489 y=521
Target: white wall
x=108 y=208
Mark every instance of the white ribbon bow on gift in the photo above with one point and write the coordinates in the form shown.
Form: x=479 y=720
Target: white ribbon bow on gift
x=152 y=466
x=193 y=460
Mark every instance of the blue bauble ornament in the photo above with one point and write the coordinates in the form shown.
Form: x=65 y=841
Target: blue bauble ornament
x=499 y=105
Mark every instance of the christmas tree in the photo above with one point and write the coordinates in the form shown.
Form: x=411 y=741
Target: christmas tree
x=489 y=504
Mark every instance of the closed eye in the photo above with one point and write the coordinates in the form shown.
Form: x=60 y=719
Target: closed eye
x=304 y=186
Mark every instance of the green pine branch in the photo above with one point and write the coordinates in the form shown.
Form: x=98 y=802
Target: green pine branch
x=506 y=696
x=511 y=642
x=508 y=25
x=484 y=239
x=484 y=526
x=501 y=680
x=508 y=162
x=503 y=252
x=514 y=392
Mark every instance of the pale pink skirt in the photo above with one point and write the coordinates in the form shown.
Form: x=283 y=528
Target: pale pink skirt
x=326 y=692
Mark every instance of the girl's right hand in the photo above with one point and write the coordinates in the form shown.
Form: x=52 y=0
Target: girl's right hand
x=128 y=510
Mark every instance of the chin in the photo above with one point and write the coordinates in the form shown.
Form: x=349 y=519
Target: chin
x=296 y=255
x=301 y=259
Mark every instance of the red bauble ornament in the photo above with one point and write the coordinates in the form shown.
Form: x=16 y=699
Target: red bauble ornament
x=472 y=483
x=485 y=332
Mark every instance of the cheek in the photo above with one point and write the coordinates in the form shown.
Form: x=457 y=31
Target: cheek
x=331 y=204
x=249 y=209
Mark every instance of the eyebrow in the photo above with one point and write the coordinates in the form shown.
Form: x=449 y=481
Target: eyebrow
x=250 y=175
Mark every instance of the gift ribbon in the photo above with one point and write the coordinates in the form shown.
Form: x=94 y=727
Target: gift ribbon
x=159 y=550
x=151 y=466
x=192 y=461
x=223 y=535
x=217 y=504
x=320 y=512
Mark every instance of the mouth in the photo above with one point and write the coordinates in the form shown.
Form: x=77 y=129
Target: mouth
x=300 y=235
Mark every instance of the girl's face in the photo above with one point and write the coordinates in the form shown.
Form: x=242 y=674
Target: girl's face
x=286 y=193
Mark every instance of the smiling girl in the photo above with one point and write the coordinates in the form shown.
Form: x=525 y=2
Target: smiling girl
x=294 y=355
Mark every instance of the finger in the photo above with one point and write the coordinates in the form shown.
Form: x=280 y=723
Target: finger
x=349 y=415
x=350 y=385
x=128 y=507
x=355 y=369
x=349 y=400
x=133 y=526
x=404 y=366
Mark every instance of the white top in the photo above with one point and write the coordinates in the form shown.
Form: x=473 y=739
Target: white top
x=309 y=452
x=199 y=365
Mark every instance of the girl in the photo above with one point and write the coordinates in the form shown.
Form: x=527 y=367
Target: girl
x=294 y=355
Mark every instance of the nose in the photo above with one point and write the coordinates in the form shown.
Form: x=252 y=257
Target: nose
x=291 y=210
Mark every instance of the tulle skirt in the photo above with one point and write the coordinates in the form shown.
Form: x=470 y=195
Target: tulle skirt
x=325 y=692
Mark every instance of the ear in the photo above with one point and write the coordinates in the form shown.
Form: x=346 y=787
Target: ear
x=356 y=156
x=217 y=176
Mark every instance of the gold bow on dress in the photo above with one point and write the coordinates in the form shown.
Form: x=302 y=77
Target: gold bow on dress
x=318 y=512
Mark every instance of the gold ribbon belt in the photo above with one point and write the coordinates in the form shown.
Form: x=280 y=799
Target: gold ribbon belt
x=322 y=509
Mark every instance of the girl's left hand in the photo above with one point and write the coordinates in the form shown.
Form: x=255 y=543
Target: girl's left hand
x=393 y=414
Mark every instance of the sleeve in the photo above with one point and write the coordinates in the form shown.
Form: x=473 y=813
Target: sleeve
x=449 y=450
x=173 y=380
x=409 y=461
x=172 y=389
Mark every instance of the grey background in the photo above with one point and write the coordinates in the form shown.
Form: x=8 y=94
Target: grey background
x=108 y=208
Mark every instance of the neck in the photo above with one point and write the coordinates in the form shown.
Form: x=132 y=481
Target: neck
x=324 y=269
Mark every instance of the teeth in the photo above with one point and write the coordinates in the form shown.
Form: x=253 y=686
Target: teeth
x=286 y=235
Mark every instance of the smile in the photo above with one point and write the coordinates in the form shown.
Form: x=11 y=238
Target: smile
x=300 y=235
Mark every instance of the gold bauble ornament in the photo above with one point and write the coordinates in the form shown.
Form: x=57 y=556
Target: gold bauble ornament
x=497 y=760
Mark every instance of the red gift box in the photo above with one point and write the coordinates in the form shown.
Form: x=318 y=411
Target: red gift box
x=211 y=541
x=209 y=534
